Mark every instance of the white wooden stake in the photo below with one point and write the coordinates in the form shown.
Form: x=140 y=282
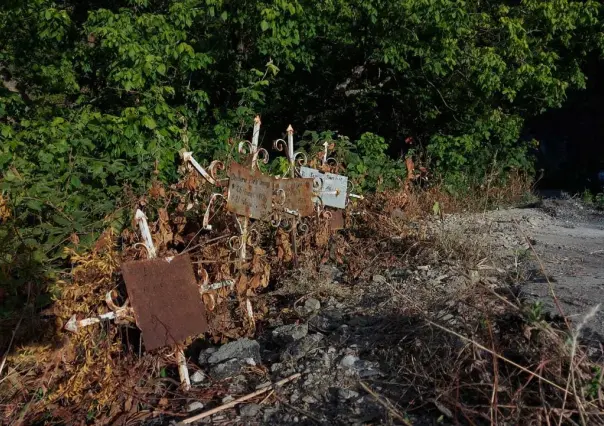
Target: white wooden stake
x=256 y=134
x=290 y=148
x=141 y=220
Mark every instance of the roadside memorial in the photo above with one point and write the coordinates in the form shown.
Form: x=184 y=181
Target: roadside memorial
x=165 y=299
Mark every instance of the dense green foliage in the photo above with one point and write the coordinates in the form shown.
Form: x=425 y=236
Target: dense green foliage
x=96 y=95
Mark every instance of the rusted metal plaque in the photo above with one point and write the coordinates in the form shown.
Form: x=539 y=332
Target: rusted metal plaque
x=165 y=299
x=250 y=194
x=298 y=195
x=337 y=220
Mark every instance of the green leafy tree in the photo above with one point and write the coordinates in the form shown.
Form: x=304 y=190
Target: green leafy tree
x=98 y=95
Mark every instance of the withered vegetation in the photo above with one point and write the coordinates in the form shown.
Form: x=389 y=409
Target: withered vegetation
x=499 y=361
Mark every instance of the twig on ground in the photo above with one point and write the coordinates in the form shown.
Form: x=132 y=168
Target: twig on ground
x=267 y=397
x=238 y=400
x=386 y=404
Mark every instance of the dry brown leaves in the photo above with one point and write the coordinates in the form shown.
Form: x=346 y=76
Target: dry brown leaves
x=284 y=247
x=5 y=212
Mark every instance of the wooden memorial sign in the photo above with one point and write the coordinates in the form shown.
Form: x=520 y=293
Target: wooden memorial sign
x=250 y=193
x=333 y=191
x=298 y=195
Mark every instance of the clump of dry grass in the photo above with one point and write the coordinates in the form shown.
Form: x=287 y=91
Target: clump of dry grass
x=495 y=361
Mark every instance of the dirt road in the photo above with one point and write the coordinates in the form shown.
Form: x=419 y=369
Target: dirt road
x=569 y=239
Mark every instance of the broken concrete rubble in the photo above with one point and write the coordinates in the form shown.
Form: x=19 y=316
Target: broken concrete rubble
x=312 y=305
x=240 y=349
x=250 y=410
x=198 y=377
x=301 y=348
x=287 y=334
x=229 y=368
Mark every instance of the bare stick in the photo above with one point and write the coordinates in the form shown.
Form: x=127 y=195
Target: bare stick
x=501 y=357
x=386 y=405
x=238 y=400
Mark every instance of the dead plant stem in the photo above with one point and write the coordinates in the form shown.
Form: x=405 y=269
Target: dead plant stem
x=386 y=404
x=484 y=348
x=238 y=400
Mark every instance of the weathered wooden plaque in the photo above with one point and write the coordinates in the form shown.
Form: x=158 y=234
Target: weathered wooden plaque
x=298 y=195
x=165 y=299
x=250 y=193
x=333 y=191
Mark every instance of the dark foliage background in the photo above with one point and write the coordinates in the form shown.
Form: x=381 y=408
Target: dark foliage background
x=98 y=97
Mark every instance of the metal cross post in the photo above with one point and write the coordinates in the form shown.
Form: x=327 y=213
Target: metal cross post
x=292 y=166
x=183 y=372
x=246 y=220
x=118 y=313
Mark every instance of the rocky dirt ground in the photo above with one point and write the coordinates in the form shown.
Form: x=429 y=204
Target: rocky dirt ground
x=368 y=352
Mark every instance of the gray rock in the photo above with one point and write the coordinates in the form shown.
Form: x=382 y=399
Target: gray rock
x=379 y=279
x=349 y=361
x=287 y=334
x=298 y=350
x=367 y=369
x=228 y=399
x=276 y=367
x=241 y=349
x=194 y=406
x=330 y=272
x=198 y=377
x=204 y=355
x=309 y=399
x=327 y=321
x=249 y=410
x=268 y=413
x=227 y=369
x=237 y=385
x=312 y=305
x=346 y=394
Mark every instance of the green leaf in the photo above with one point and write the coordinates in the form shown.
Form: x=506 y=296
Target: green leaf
x=34 y=205
x=75 y=182
x=161 y=68
x=264 y=25
x=62 y=221
x=149 y=122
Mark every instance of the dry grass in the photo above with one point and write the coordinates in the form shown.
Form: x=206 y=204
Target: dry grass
x=492 y=365
x=496 y=362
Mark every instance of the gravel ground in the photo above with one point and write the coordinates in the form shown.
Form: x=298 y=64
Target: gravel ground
x=337 y=342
